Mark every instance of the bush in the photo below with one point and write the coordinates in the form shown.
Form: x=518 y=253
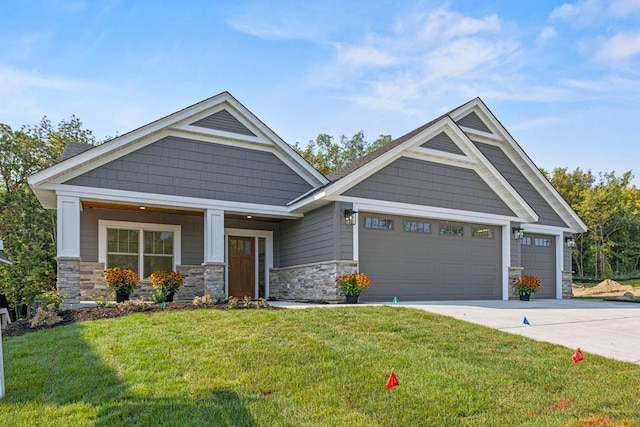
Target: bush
x=204 y=301
x=219 y=297
x=158 y=296
x=121 y=281
x=102 y=301
x=134 y=305
x=261 y=303
x=51 y=297
x=233 y=303
x=246 y=301
x=47 y=316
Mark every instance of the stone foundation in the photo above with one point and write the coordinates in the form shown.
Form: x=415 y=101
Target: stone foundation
x=69 y=280
x=193 y=283
x=567 y=284
x=515 y=273
x=91 y=283
x=314 y=282
x=214 y=279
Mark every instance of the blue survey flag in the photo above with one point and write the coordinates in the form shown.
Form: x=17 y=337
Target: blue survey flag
x=525 y=321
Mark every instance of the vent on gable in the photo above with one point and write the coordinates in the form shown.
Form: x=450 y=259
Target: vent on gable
x=472 y=121
x=442 y=142
x=224 y=121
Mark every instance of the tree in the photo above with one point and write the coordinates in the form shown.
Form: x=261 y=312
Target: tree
x=327 y=156
x=29 y=230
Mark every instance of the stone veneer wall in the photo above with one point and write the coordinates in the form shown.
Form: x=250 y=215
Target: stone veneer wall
x=214 y=279
x=82 y=281
x=69 y=279
x=310 y=281
x=567 y=284
x=514 y=273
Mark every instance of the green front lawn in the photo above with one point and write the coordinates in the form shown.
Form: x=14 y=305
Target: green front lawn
x=323 y=366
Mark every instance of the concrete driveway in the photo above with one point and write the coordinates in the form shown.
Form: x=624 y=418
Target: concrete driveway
x=607 y=328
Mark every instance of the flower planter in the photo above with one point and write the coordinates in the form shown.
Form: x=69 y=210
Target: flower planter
x=525 y=297
x=122 y=297
x=352 y=299
x=170 y=297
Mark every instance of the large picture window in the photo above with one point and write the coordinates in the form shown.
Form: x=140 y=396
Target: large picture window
x=143 y=248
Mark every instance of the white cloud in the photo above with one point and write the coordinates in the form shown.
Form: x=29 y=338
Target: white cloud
x=15 y=80
x=547 y=33
x=620 y=46
x=595 y=12
x=358 y=56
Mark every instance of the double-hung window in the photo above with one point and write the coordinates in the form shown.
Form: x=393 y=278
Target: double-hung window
x=141 y=247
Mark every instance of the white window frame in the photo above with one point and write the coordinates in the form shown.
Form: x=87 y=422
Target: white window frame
x=103 y=225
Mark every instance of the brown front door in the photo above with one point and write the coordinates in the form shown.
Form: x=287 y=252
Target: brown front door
x=242 y=264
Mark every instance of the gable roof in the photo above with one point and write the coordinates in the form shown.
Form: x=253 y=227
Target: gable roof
x=221 y=117
x=472 y=119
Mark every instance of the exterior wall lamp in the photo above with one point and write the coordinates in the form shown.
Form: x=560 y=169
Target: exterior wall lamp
x=570 y=241
x=518 y=233
x=350 y=217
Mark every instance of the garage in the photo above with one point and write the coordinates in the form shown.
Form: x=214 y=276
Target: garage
x=424 y=259
x=539 y=258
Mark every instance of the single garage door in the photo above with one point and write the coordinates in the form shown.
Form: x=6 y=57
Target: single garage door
x=422 y=259
x=539 y=258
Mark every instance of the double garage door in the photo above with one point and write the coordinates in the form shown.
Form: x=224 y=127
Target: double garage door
x=422 y=259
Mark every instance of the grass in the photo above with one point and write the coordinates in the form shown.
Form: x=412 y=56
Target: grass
x=306 y=367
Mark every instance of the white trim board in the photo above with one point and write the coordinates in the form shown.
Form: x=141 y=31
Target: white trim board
x=245 y=232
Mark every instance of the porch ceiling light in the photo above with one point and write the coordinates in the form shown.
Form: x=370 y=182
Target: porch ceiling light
x=350 y=217
x=518 y=233
x=570 y=241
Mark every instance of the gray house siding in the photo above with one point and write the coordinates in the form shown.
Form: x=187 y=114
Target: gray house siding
x=442 y=142
x=344 y=233
x=185 y=167
x=472 y=121
x=192 y=242
x=309 y=239
x=223 y=120
x=431 y=184
x=522 y=185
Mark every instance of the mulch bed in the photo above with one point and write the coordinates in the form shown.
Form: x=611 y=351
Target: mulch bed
x=23 y=326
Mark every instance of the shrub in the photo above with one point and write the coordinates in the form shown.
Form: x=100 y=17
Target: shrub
x=167 y=282
x=51 y=297
x=121 y=281
x=219 y=297
x=203 y=301
x=158 y=296
x=134 y=305
x=47 y=316
x=102 y=301
x=246 y=301
x=233 y=303
x=261 y=303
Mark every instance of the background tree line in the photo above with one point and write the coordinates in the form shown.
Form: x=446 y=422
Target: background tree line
x=608 y=204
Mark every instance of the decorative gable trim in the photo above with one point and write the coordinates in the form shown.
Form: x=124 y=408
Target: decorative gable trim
x=178 y=124
x=500 y=136
x=471 y=158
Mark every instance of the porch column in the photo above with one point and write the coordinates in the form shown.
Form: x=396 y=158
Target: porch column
x=213 y=236
x=68 y=248
x=68 y=213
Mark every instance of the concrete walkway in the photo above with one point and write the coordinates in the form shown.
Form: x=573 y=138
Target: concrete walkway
x=607 y=328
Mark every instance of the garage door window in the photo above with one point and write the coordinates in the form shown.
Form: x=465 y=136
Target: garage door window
x=451 y=230
x=416 y=227
x=541 y=241
x=526 y=241
x=482 y=233
x=378 y=223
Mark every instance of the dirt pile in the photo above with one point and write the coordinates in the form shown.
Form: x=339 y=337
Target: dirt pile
x=605 y=288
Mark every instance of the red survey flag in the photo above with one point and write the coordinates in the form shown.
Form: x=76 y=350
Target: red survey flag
x=577 y=356
x=392 y=381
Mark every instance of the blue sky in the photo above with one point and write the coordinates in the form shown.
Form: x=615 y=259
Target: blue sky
x=562 y=77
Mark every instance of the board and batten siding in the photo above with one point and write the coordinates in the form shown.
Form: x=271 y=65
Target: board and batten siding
x=191 y=168
x=224 y=121
x=344 y=233
x=192 y=242
x=309 y=239
x=547 y=216
x=431 y=184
